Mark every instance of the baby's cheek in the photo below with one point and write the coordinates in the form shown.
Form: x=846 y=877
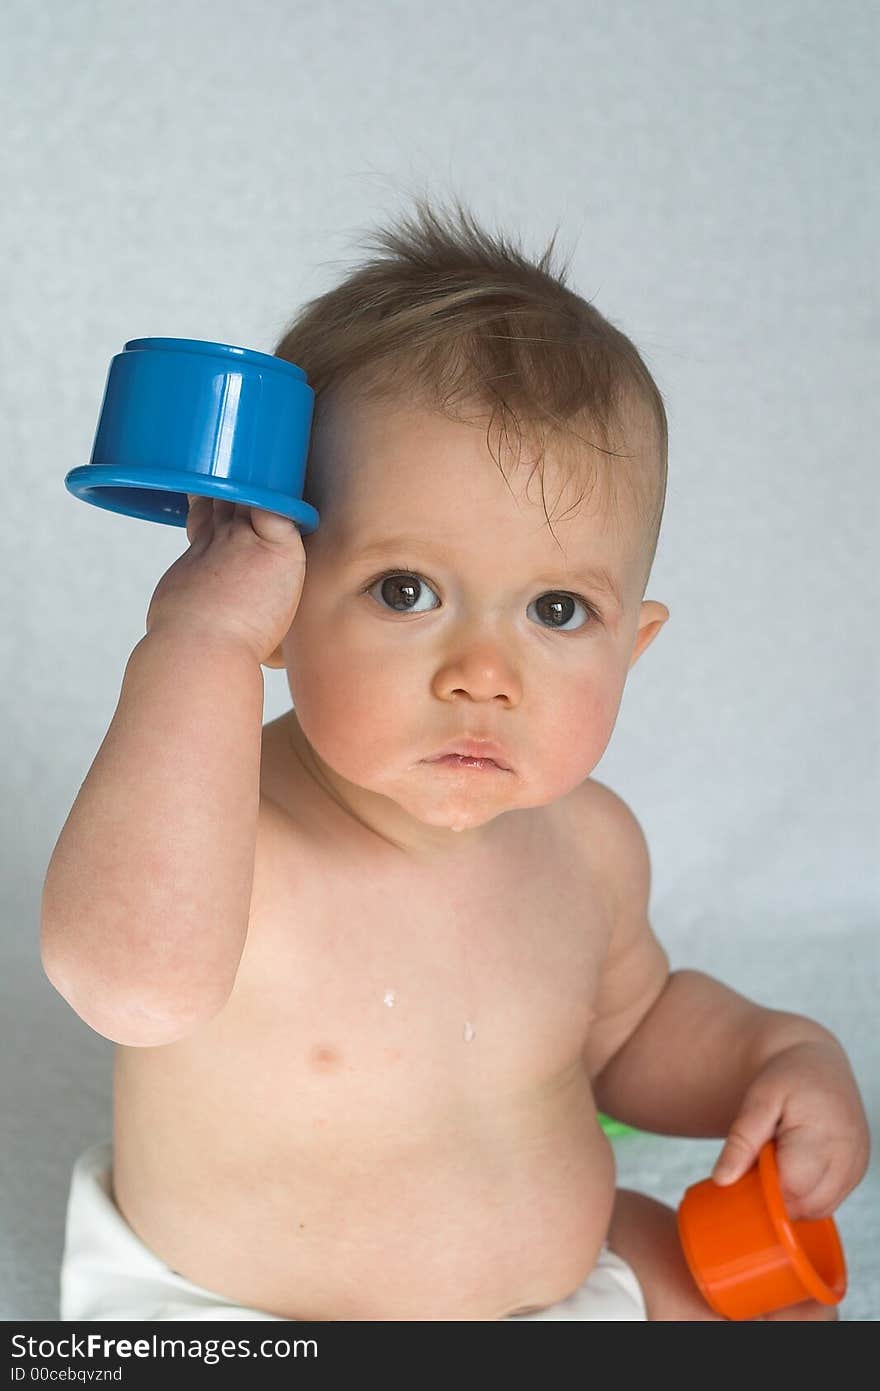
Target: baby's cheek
x=350 y=710
x=578 y=732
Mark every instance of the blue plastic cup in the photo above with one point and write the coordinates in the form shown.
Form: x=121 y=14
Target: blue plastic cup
x=181 y=416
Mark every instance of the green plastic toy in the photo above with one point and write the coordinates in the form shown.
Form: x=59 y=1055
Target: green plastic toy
x=613 y=1127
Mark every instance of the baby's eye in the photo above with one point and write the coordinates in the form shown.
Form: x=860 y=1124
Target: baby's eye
x=557 y=609
x=400 y=590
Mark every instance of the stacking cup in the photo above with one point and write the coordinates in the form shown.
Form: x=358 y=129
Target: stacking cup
x=746 y=1254
x=181 y=416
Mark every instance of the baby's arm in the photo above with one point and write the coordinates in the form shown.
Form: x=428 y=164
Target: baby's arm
x=681 y=1054
x=146 y=898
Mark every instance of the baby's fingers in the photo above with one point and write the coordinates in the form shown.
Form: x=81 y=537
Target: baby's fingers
x=271 y=526
x=808 y=1177
x=752 y=1128
x=199 y=518
x=207 y=513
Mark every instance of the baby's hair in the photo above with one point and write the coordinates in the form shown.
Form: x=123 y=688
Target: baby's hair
x=450 y=318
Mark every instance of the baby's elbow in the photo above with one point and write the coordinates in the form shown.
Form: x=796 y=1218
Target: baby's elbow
x=133 y=1023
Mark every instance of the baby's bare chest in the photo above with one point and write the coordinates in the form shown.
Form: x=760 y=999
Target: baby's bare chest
x=399 y=1067
x=380 y=1026
x=400 y=1058
x=357 y=984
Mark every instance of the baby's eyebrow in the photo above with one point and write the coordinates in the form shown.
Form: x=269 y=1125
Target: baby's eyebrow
x=591 y=577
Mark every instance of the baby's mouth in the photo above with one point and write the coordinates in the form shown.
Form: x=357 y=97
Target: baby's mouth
x=470 y=751
x=457 y=760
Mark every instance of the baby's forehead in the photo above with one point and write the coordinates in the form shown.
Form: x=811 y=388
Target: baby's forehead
x=405 y=469
x=495 y=545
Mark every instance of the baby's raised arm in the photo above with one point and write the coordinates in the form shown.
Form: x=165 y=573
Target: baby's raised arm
x=146 y=898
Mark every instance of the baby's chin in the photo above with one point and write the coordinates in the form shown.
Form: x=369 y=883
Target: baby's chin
x=464 y=808
x=456 y=813
x=461 y=819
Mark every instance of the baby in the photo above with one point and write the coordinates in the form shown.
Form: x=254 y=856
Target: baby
x=371 y=968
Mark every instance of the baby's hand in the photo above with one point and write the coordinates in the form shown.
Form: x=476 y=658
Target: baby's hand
x=806 y=1097
x=242 y=577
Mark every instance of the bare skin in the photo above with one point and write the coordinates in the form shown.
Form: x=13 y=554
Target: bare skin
x=393 y=1116
x=644 y=1232
x=334 y=1120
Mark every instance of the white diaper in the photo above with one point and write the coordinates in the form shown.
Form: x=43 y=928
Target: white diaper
x=107 y=1272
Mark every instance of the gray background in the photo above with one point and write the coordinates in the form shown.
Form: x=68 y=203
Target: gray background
x=198 y=170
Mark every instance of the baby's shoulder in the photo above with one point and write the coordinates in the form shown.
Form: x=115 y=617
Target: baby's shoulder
x=283 y=819
x=596 y=807
x=610 y=834
x=285 y=797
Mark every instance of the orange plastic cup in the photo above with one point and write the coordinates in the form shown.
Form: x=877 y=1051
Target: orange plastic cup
x=745 y=1253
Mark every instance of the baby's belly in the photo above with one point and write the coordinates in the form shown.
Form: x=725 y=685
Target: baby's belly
x=476 y=1209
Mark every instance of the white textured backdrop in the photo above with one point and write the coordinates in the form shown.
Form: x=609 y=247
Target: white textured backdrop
x=199 y=169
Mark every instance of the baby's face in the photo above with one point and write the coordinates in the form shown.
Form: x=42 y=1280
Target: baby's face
x=438 y=606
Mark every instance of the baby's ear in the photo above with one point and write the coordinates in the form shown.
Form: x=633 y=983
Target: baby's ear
x=651 y=620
